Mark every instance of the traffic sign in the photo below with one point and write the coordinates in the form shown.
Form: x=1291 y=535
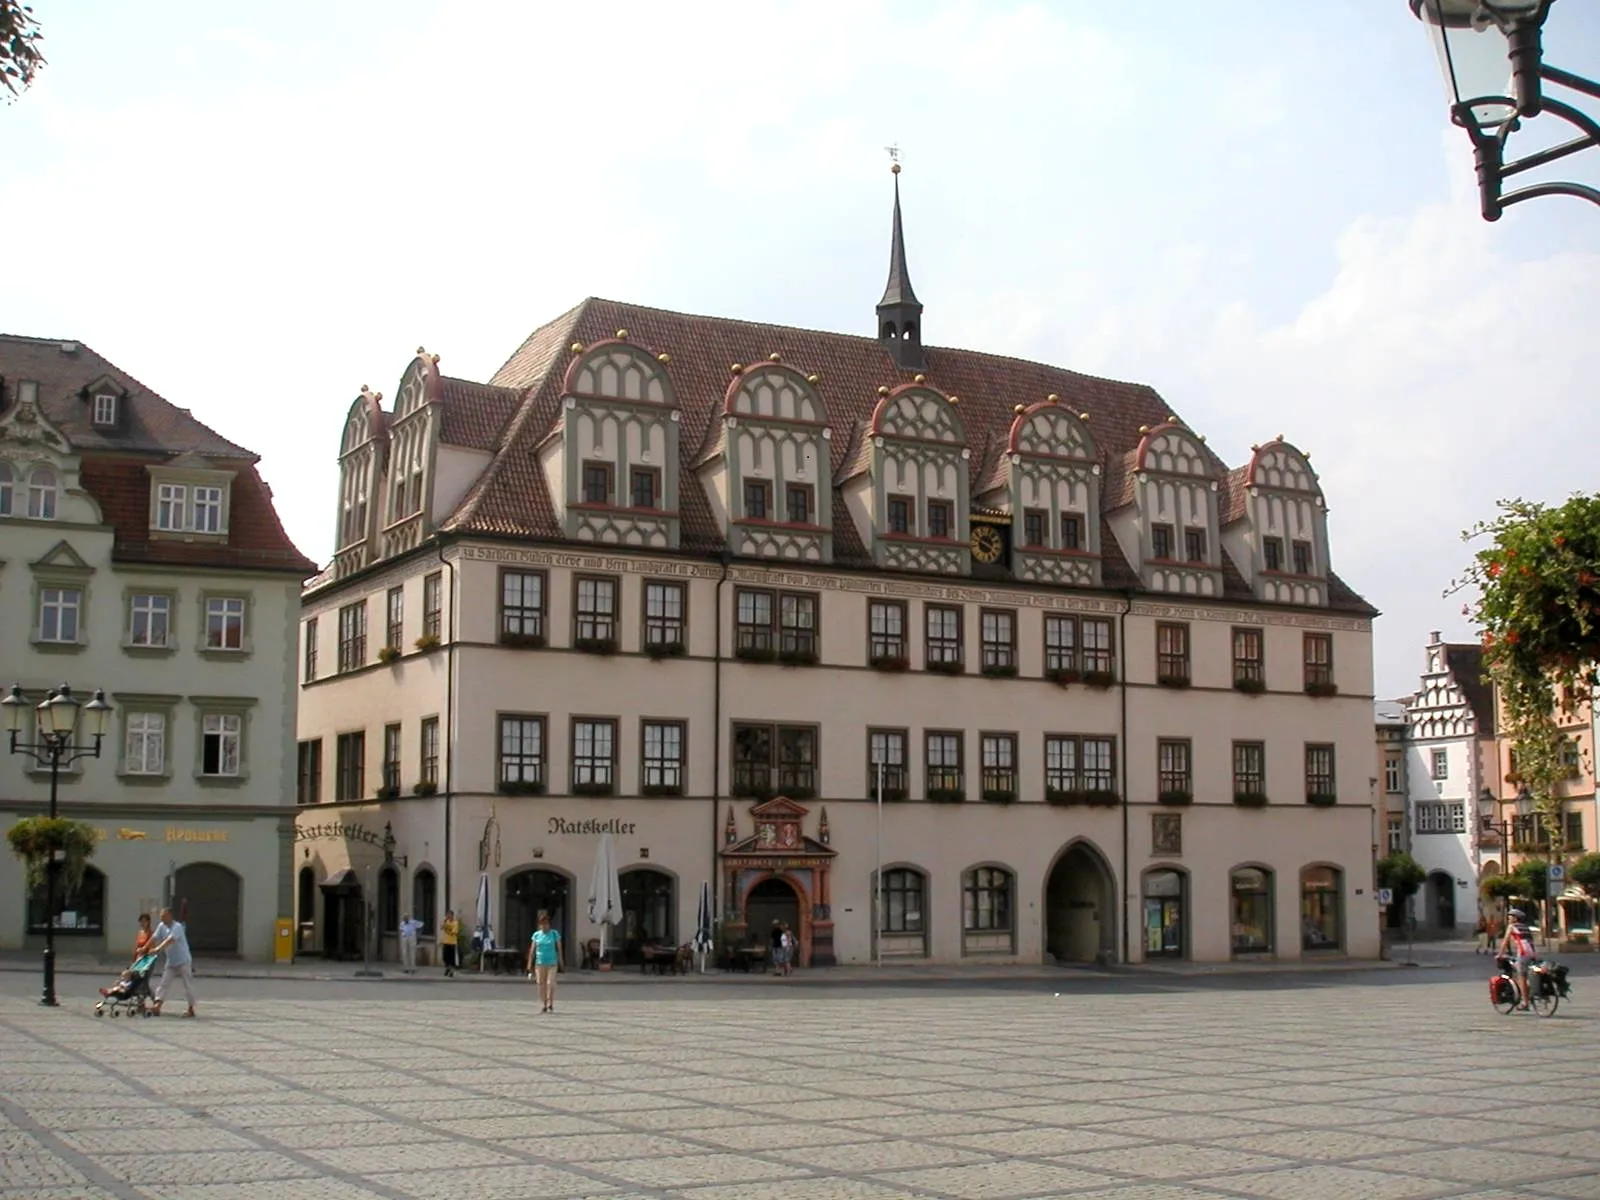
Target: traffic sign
x=1385 y=897
x=1557 y=872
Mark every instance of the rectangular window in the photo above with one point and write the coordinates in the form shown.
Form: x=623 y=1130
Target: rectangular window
x=1248 y=663
x=522 y=757
x=1033 y=527
x=1172 y=765
x=1249 y=768
x=1302 y=557
x=172 y=506
x=1095 y=647
x=1272 y=553
x=1060 y=644
x=432 y=603
x=775 y=760
x=59 y=612
x=886 y=628
x=1194 y=545
x=428 y=751
x=642 y=491
x=939 y=512
x=1393 y=774
x=149 y=619
x=595 y=613
x=998 y=638
x=594 y=749
x=886 y=748
x=663 y=614
x=391 y=757
x=1078 y=764
x=308 y=772
x=350 y=767
x=221 y=735
x=1571 y=761
x=1161 y=540
x=899 y=514
x=1172 y=653
x=1319 y=771
x=753 y=631
x=663 y=758
x=309 y=666
x=522 y=604
x=208 y=510
x=1572 y=836
x=225 y=623
x=146 y=750
x=1071 y=531
x=596 y=483
x=944 y=634
x=1319 y=659
x=942 y=769
x=797 y=625
x=394 y=627
x=105 y=409
x=1441 y=816
x=1061 y=764
x=353 y=636
x=1441 y=764
x=999 y=751
x=757 y=499
x=1396 y=826
x=797 y=497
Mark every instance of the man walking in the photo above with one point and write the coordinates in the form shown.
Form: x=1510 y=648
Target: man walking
x=172 y=939
x=408 y=944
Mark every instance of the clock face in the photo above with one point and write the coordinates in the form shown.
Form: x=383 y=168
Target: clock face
x=986 y=543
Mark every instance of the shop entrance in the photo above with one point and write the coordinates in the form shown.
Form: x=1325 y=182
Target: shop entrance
x=209 y=893
x=527 y=894
x=343 y=911
x=648 y=905
x=1079 y=926
x=1442 y=902
x=1163 y=914
x=772 y=900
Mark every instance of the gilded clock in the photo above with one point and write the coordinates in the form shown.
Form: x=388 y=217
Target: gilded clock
x=986 y=543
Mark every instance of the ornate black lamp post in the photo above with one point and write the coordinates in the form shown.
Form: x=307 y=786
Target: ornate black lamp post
x=57 y=723
x=1491 y=54
x=390 y=858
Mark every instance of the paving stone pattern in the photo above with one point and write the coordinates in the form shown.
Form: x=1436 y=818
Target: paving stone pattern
x=1349 y=1092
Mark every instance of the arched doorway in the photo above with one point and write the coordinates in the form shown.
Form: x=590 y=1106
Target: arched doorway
x=1165 y=904
x=1442 y=902
x=209 y=894
x=342 y=915
x=649 y=902
x=774 y=899
x=1079 y=907
x=1250 y=889
x=1321 y=908
x=527 y=893
x=306 y=910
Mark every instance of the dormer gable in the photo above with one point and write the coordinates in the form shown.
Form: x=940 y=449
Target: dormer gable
x=1172 y=529
x=413 y=433
x=767 y=468
x=105 y=403
x=363 y=448
x=916 y=498
x=611 y=462
x=191 y=497
x=1284 y=544
x=1052 y=483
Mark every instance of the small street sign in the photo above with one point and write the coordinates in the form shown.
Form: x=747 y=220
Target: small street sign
x=1385 y=897
x=1557 y=873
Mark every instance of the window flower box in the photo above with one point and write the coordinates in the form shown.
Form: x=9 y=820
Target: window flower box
x=427 y=642
x=889 y=662
x=1099 y=679
x=893 y=795
x=521 y=787
x=424 y=787
x=999 y=795
x=1063 y=676
x=1250 y=687
x=1175 y=797
x=1065 y=797
x=1001 y=670
x=594 y=789
x=660 y=650
x=522 y=641
x=1322 y=799
x=662 y=789
x=1322 y=688
x=389 y=791
x=944 y=667
x=1250 y=799
x=947 y=795
x=798 y=658
x=752 y=791
x=1103 y=798
x=389 y=654
x=1173 y=681
x=596 y=645
x=799 y=793
x=755 y=653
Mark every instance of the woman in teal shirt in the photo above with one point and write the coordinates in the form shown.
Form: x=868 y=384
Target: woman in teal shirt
x=544 y=956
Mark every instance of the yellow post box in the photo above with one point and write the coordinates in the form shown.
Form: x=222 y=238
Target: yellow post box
x=283 y=942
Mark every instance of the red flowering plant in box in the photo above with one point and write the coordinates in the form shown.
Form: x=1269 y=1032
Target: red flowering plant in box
x=1538 y=584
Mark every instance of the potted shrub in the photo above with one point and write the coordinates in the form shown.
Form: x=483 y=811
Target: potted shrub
x=522 y=641
x=389 y=654
x=660 y=650
x=889 y=662
x=427 y=642
x=1099 y=679
x=947 y=795
x=1250 y=799
x=35 y=840
x=1175 y=796
x=595 y=645
x=388 y=791
x=1062 y=676
x=1250 y=686
x=424 y=787
x=1322 y=688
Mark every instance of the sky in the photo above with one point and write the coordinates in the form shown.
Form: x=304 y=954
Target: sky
x=1258 y=209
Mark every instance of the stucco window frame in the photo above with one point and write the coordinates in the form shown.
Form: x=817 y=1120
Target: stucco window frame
x=908 y=511
x=1174 y=667
x=1249 y=782
x=980 y=940
x=130 y=704
x=1035 y=529
x=610 y=472
x=246 y=646
x=957 y=664
x=130 y=596
x=998 y=656
x=775 y=767
x=357 y=765
x=662 y=788
x=593 y=786
x=638 y=471
x=1319 y=671
x=884 y=648
x=947 y=780
x=895 y=941
x=522 y=785
x=1248 y=669
x=805 y=492
x=998 y=783
x=650 y=626
x=1175 y=780
x=755 y=487
x=539 y=613
x=604 y=626
x=59 y=577
x=190 y=478
x=223 y=706
x=947 y=509
x=896 y=777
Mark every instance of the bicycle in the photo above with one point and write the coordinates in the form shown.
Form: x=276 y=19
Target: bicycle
x=1547 y=985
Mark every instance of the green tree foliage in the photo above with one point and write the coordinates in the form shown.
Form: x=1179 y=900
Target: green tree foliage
x=1586 y=874
x=20 y=58
x=1402 y=875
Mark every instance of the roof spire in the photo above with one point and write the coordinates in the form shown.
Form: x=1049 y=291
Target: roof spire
x=900 y=312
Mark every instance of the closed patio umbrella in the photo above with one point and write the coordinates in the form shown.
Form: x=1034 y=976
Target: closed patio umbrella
x=483 y=916
x=605 y=889
x=703 y=932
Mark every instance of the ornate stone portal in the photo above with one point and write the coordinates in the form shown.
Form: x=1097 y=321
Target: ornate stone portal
x=775 y=859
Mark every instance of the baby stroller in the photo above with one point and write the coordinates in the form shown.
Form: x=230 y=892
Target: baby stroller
x=131 y=992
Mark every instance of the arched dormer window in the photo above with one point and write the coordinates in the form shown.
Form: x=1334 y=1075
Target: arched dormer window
x=43 y=486
x=8 y=486
x=1287 y=525
x=360 y=466
x=615 y=466
x=411 y=433
x=1054 y=474
x=774 y=452
x=920 y=496
x=1176 y=493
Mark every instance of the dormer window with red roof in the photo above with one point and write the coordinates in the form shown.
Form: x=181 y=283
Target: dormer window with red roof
x=189 y=501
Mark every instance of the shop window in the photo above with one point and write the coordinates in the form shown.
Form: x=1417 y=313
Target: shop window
x=1251 y=892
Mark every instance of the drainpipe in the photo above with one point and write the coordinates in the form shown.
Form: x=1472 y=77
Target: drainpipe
x=449 y=723
x=1122 y=690
x=726 y=558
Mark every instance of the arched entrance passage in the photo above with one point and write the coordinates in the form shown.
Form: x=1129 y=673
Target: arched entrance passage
x=342 y=915
x=209 y=893
x=774 y=899
x=527 y=893
x=649 y=902
x=1079 y=907
x=1441 y=902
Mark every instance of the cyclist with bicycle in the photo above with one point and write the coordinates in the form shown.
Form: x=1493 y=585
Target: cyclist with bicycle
x=1517 y=945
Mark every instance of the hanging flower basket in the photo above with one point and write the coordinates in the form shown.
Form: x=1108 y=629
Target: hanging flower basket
x=35 y=840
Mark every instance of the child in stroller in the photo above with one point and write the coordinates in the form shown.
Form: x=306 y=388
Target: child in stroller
x=131 y=991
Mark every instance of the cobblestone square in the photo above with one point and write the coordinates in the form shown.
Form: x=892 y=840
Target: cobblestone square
x=1359 y=1088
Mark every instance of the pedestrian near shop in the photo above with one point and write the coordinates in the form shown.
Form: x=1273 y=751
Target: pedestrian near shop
x=450 y=941
x=544 y=960
x=142 y=938
x=408 y=944
x=172 y=939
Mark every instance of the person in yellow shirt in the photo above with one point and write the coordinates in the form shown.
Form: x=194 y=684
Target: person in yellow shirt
x=450 y=939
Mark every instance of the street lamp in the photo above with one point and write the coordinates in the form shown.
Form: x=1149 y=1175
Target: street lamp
x=1491 y=55
x=57 y=724
x=390 y=858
